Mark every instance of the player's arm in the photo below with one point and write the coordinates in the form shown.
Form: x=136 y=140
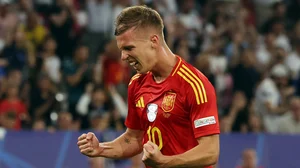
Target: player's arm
x=206 y=153
x=75 y=78
x=127 y=145
x=202 y=105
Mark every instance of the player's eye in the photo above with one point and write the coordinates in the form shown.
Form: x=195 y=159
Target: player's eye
x=129 y=48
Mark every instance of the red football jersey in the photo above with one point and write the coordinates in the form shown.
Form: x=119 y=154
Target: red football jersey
x=173 y=113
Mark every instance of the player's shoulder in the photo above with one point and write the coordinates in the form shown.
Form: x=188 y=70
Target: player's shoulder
x=136 y=79
x=193 y=82
x=188 y=72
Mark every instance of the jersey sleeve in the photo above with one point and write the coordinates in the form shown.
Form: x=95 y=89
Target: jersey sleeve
x=203 y=108
x=132 y=119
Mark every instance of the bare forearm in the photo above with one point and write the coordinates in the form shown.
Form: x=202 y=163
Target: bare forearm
x=119 y=103
x=198 y=157
x=276 y=109
x=232 y=115
x=193 y=159
x=122 y=147
x=74 y=79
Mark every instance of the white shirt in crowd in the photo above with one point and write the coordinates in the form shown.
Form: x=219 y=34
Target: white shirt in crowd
x=99 y=15
x=288 y=125
x=267 y=91
x=52 y=65
x=282 y=41
x=293 y=63
x=263 y=56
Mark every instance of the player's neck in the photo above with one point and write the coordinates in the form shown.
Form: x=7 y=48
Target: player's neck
x=165 y=65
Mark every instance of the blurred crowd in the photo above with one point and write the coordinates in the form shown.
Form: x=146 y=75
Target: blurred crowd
x=60 y=67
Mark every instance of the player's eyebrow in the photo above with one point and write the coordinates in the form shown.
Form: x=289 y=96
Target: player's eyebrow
x=128 y=48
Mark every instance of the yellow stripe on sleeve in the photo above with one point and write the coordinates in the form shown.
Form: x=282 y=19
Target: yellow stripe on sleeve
x=197 y=78
x=192 y=85
x=194 y=81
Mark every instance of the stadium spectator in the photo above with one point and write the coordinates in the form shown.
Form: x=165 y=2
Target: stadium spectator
x=245 y=69
x=293 y=11
x=255 y=124
x=278 y=13
x=237 y=115
x=13 y=108
x=47 y=61
x=117 y=7
x=23 y=8
x=99 y=120
x=99 y=27
x=290 y=123
x=265 y=51
x=202 y=63
x=35 y=31
x=249 y=159
x=61 y=24
x=77 y=75
x=96 y=162
x=295 y=33
x=8 y=22
x=292 y=61
x=225 y=125
x=281 y=38
x=114 y=71
x=42 y=99
x=271 y=96
x=191 y=20
x=39 y=125
x=94 y=100
x=17 y=52
x=65 y=121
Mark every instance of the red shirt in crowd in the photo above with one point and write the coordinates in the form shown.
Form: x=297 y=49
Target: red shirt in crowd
x=17 y=107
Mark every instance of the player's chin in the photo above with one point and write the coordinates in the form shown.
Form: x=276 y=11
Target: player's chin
x=141 y=70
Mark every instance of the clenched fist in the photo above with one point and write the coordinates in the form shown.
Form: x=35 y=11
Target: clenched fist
x=152 y=155
x=88 y=145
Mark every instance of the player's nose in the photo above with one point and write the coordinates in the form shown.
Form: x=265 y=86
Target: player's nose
x=124 y=56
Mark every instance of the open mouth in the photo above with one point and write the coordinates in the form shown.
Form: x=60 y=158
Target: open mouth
x=134 y=63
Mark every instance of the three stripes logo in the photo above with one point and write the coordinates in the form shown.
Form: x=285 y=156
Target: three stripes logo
x=140 y=103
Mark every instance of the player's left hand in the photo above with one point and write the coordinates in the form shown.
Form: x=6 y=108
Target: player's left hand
x=152 y=155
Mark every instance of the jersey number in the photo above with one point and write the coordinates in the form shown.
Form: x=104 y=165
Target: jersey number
x=151 y=136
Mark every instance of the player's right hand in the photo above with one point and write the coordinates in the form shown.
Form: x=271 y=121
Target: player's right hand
x=88 y=145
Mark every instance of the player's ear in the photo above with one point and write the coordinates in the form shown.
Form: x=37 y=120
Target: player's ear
x=154 y=40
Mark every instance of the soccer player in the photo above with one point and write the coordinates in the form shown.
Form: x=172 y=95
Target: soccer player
x=172 y=110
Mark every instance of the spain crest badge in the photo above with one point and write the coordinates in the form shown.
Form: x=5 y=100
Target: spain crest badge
x=168 y=101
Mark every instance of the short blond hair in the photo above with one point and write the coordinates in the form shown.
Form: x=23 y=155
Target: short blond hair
x=138 y=17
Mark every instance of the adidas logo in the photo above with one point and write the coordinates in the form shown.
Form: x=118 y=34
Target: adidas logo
x=140 y=103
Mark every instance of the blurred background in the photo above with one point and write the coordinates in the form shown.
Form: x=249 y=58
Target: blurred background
x=61 y=74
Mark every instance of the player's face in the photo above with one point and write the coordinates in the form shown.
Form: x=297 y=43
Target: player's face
x=137 y=49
